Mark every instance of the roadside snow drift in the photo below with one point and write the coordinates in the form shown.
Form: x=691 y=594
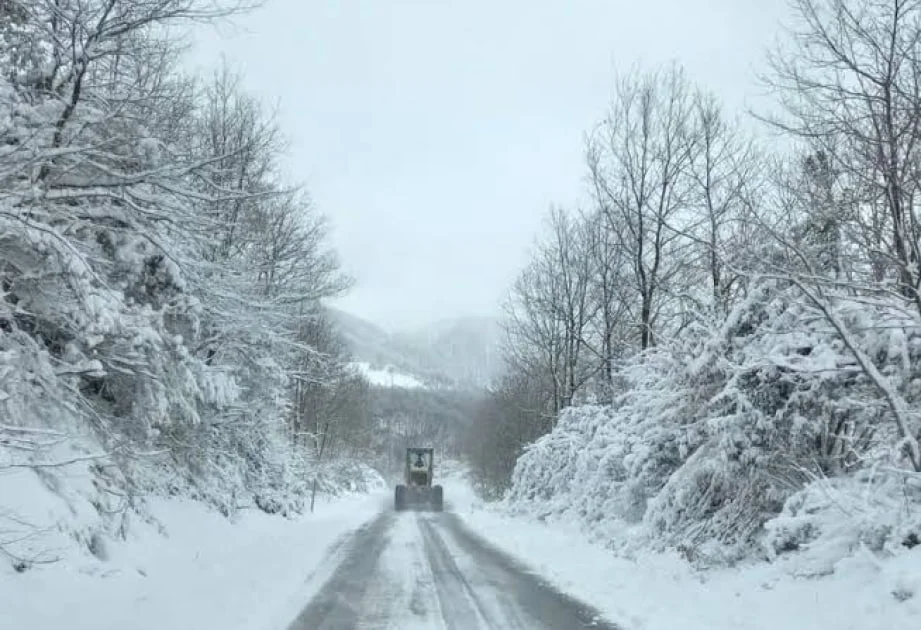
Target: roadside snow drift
x=662 y=591
x=185 y=566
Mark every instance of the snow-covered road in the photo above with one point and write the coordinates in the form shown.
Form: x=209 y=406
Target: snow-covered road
x=426 y=570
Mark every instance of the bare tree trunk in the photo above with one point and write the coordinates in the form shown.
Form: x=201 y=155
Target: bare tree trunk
x=313 y=492
x=639 y=160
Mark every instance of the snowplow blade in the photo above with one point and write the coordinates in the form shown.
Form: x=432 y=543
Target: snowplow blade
x=419 y=498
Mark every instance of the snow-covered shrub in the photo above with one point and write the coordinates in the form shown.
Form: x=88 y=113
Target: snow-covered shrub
x=602 y=464
x=790 y=401
x=341 y=476
x=831 y=518
x=706 y=441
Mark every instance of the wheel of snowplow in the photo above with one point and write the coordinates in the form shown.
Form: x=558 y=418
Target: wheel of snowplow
x=399 y=498
x=438 y=503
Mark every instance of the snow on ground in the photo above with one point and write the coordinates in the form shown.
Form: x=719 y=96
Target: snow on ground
x=254 y=573
x=388 y=376
x=662 y=592
x=403 y=595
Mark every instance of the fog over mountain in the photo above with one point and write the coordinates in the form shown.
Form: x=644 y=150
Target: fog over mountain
x=461 y=352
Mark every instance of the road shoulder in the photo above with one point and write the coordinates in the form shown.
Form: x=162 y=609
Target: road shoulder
x=655 y=591
x=196 y=569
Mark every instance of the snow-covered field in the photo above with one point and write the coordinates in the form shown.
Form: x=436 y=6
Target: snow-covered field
x=386 y=377
x=662 y=592
x=253 y=573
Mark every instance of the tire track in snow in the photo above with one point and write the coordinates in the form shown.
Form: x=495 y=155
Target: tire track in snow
x=527 y=600
x=338 y=603
x=459 y=603
x=409 y=571
x=401 y=594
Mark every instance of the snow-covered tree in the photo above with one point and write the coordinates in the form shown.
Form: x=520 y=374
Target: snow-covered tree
x=775 y=297
x=155 y=269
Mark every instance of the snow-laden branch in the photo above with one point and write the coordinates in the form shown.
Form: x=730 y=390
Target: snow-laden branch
x=900 y=409
x=56 y=463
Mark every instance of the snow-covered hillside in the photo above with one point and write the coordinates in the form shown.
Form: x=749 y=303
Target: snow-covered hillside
x=370 y=343
x=387 y=376
x=466 y=349
x=459 y=352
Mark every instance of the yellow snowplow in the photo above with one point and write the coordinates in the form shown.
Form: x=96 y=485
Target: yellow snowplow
x=417 y=491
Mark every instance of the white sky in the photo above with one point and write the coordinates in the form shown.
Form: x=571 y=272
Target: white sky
x=436 y=133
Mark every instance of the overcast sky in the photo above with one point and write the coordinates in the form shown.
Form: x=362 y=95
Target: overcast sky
x=435 y=134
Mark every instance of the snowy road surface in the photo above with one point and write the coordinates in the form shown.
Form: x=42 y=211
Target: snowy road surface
x=418 y=570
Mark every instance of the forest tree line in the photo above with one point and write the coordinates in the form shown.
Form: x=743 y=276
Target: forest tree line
x=161 y=281
x=811 y=199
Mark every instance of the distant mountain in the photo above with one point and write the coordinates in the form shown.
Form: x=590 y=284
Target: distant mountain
x=369 y=342
x=389 y=376
x=381 y=358
x=466 y=349
x=460 y=352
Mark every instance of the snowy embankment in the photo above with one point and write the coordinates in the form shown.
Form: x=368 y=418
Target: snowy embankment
x=181 y=565
x=752 y=478
x=662 y=591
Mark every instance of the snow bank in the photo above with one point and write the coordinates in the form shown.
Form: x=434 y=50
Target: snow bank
x=77 y=503
x=831 y=521
x=184 y=565
x=84 y=546
x=662 y=591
